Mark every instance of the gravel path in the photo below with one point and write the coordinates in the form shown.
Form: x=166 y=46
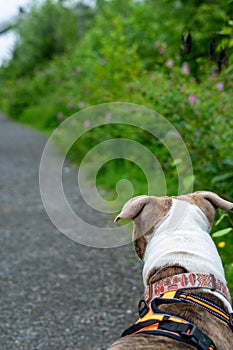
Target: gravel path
x=55 y=294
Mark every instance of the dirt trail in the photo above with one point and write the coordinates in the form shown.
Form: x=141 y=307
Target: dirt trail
x=55 y=294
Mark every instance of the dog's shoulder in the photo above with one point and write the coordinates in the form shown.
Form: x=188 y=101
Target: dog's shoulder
x=148 y=342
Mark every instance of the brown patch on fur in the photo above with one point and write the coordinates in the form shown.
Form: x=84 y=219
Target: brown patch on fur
x=205 y=206
x=148 y=342
x=202 y=203
x=198 y=200
x=164 y=272
x=207 y=202
x=139 y=246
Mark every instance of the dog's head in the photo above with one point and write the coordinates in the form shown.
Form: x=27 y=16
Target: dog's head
x=148 y=211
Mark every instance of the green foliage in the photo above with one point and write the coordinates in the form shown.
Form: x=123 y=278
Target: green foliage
x=222 y=232
x=48 y=30
x=223 y=237
x=71 y=58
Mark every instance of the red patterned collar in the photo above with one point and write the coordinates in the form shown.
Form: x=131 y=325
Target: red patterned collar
x=185 y=281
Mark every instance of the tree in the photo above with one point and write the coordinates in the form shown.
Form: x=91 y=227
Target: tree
x=48 y=30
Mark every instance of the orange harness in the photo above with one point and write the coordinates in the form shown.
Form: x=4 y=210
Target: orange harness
x=154 y=321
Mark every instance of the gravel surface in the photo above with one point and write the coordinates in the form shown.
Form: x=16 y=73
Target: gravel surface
x=55 y=294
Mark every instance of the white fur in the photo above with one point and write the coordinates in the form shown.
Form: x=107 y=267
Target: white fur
x=182 y=237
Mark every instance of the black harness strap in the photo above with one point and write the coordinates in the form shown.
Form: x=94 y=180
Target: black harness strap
x=208 y=306
x=186 y=332
x=204 y=303
x=138 y=327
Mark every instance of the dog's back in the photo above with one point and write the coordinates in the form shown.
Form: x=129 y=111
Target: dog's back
x=172 y=233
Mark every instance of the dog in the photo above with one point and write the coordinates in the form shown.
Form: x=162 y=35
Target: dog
x=183 y=275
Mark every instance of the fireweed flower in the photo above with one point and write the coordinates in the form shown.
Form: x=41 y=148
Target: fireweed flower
x=108 y=117
x=169 y=63
x=185 y=68
x=86 y=123
x=81 y=104
x=214 y=72
x=157 y=43
x=60 y=115
x=220 y=86
x=192 y=99
x=161 y=50
x=70 y=105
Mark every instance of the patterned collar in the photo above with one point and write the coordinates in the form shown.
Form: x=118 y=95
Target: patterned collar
x=186 y=281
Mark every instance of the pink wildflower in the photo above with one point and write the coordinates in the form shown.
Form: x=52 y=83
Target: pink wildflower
x=157 y=43
x=192 y=99
x=70 y=105
x=86 y=123
x=60 y=115
x=161 y=50
x=220 y=86
x=81 y=104
x=169 y=63
x=214 y=72
x=185 y=68
x=108 y=116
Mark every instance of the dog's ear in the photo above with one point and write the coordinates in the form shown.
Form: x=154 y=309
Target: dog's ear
x=216 y=201
x=132 y=208
x=208 y=202
x=146 y=212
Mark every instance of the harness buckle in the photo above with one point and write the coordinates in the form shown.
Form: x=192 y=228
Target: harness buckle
x=197 y=337
x=143 y=308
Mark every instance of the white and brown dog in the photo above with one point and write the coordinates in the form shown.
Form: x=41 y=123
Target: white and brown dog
x=171 y=236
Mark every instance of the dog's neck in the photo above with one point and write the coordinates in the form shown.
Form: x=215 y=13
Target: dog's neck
x=182 y=238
